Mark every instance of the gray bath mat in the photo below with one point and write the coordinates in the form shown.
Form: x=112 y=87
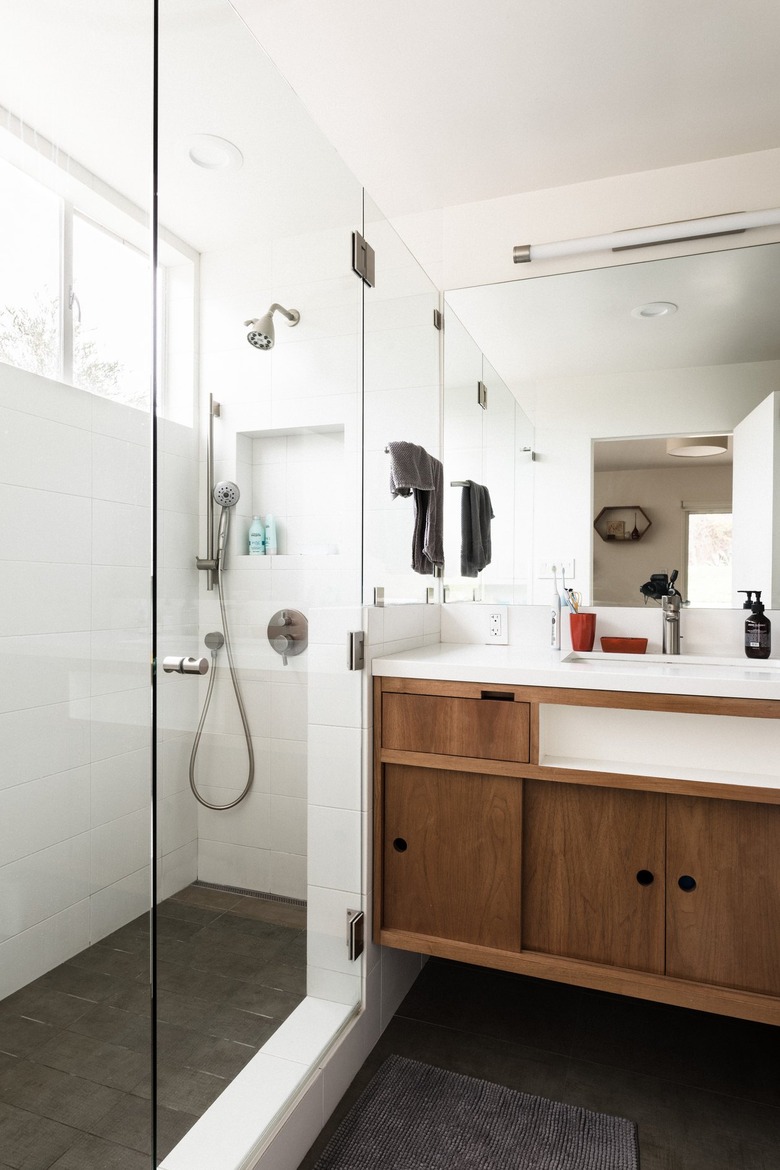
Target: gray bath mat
x=416 y=1117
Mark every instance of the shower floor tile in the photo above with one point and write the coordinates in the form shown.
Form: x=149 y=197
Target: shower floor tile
x=75 y=1063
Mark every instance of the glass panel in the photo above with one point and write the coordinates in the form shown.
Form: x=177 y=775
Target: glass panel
x=30 y=273
x=75 y=728
x=402 y=404
x=253 y=894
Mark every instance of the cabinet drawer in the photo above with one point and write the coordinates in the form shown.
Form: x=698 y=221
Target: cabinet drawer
x=487 y=728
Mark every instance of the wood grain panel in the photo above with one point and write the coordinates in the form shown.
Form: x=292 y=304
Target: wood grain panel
x=582 y=850
x=476 y=728
x=459 y=874
x=726 y=930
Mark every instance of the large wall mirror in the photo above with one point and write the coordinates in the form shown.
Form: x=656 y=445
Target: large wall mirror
x=613 y=366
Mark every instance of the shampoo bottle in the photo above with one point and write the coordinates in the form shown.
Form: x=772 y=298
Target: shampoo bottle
x=758 y=631
x=256 y=537
x=270 y=535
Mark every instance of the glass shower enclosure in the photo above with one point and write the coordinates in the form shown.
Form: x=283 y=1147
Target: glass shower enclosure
x=160 y=187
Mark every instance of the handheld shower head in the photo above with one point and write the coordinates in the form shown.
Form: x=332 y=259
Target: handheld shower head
x=261 y=329
x=226 y=494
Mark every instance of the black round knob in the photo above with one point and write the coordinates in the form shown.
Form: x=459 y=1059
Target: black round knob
x=645 y=877
x=400 y=845
x=686 y=883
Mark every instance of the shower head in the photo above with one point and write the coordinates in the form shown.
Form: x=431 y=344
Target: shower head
x=261 y=329
x=226 y=494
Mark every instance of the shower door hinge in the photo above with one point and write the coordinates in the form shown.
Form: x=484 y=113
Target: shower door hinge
x=482 y=395
x=438 y=320
x=356 y=920
x=363 y=259
x=356 y=658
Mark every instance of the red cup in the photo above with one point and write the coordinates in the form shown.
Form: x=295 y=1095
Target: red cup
x=583 y=630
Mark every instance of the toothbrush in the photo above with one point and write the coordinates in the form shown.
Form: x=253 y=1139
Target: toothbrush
x=555 y=616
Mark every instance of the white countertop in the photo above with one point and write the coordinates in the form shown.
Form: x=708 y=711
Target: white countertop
x=515 y=665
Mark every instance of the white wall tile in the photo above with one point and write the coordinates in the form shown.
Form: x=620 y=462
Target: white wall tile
x=288 y=875
x=119 y=723
x=120 y=598
x=41 y=453
x=233 y=865
x=47 y=526
x=121 y=902
x=50 y=942
x=247 y=824
x=179 y=869
x=44 y=669
x=334 y=847
x=43 y=883
x=120 y=534
x=335 y=766
x=119 y=848
x=120 y=785
x=43 y=740
x=288 y=825
x=41 y=599
x=41 y=813
x=120 y=471
x=288 y=760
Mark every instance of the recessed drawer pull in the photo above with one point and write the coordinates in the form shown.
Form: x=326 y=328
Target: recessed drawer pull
x=504 y=696
x=400 y=845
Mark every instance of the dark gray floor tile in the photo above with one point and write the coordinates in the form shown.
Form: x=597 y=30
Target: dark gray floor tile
x=30 y=1142
x=94 y=1153
x=264 y=1001
x=736 y=1057
x=211 y=899
x=20 y=1036
x=237 y=932
x=213 y=1019
x=283 y=976
x=114 y=1026
x=132 y=997
x=105 y=1064
x=105 y=960
x=74 y=979
x=172 y=1124
x=199 y=984
x=210 y=1054
x=264 y=910
x=56 y=1095
x=129 y=1123
x=185 y=1089
x=185 y=912
x=47 y=1005
x=295 y=953
x=133 y=937
x=492 y=1003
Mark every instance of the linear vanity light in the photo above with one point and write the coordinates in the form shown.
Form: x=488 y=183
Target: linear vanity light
x=661 y=233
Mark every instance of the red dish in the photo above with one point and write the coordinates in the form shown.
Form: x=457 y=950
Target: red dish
x=624 y=645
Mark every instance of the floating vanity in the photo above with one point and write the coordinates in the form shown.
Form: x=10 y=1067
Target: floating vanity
x=614 y=825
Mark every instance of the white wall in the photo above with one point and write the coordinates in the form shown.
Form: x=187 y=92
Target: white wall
x=619 y=568
x=289 y=435
x=74 y=703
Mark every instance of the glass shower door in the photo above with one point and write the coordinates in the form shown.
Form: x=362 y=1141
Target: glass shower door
x=75 y=482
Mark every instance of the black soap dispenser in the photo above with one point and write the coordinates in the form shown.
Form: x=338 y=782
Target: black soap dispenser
x=758 y=630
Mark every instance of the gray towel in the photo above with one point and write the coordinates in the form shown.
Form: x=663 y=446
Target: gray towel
x=476 y=512
x=414 y=472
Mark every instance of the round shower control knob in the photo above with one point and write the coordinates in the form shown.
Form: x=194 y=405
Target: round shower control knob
x=288 y=633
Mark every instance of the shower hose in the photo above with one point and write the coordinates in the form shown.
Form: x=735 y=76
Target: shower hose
x=237 y=690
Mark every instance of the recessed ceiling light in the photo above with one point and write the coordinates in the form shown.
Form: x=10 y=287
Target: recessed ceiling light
x=655 y=309
x=213 y=153
x=697 y=448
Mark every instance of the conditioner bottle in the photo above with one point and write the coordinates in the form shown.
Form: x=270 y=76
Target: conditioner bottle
x=758 y=631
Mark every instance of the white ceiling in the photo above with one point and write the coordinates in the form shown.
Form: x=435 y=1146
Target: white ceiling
x=433 y=103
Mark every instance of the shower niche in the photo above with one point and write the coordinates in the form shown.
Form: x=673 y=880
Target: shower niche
x=299 y=476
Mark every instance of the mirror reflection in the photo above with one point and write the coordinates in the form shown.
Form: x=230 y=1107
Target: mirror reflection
x=687 y=346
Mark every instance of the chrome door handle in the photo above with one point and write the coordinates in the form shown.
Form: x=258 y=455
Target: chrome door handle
x=175 y=665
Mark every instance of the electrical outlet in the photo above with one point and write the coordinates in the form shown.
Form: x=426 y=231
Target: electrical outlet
x=545 y=568
x=497 y=625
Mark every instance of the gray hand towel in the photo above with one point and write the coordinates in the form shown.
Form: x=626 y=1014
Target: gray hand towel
x=476 y=512
x=414 y=472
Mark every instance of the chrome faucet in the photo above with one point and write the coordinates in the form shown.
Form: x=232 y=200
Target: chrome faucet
x=670 y=604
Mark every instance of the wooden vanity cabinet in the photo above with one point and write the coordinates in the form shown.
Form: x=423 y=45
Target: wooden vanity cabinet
x=654 y=887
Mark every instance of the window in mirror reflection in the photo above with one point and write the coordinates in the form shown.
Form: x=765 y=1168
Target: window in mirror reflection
x=708 y=559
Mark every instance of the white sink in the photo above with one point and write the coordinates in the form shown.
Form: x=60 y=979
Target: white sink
x=599 y=657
